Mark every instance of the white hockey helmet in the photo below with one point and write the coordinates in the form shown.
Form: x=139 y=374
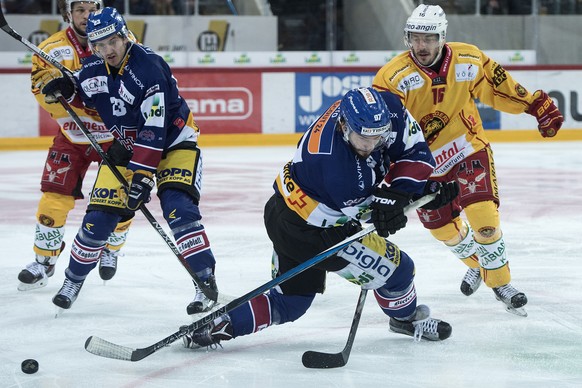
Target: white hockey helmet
x=426 y=19
x=66 y=6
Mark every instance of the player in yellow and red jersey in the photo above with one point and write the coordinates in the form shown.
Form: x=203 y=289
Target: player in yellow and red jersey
x=70 y=155
x=438 y=83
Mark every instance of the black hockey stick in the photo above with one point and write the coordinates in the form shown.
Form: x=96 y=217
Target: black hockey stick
x=209 y=292
x=321 y=360
x=103 y=348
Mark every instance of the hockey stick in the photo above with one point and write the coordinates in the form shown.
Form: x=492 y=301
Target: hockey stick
x=103 y=348
x=209 y=292
x=321 y=360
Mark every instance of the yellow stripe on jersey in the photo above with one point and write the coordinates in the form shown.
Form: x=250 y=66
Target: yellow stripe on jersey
x=294 y=197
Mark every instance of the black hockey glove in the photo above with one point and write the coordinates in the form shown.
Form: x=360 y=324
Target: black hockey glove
x=53 y=81
x=334 y=235
x=119 y=155
x=140 y=186
x=447 y=192
x=388 y=210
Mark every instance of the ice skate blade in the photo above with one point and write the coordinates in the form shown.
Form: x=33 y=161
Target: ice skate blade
x=520 y=311
x=58 y=311
x=33 y=286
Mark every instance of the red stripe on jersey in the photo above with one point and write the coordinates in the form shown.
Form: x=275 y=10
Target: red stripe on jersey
x=396 y=303
x=417 y=171
x=261 y=310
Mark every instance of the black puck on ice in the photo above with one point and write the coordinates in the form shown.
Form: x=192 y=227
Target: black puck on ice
x=29 y=366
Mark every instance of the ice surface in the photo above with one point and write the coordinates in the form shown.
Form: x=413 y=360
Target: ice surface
x=541 y=212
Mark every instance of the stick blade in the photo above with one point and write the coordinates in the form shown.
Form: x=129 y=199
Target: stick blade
x=319 y=360
x=103 y=348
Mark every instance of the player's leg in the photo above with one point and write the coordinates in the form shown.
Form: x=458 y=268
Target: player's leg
x=119 y=156
x=61 y=182
x=179 y=181
x=492 y=254
x=105 y=210
x=293 y=242
x=377 y=264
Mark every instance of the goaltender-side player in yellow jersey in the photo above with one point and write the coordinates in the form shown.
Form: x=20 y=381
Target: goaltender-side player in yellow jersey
x=69 y=156
x=438 y=83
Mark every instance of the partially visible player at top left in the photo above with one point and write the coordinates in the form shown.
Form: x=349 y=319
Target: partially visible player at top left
x=70 y=155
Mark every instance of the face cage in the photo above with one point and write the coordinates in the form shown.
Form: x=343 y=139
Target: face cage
x=122 y=34
x=408 y=44
x=383 y=141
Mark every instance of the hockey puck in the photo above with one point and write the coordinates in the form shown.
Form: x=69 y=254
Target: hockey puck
x=29 y=366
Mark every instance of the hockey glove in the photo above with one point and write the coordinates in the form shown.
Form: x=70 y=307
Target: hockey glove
x=447 y=192
x=52 y=81
x=546 y=113
x=141 y=184
x=334 y=235
x=388 y=210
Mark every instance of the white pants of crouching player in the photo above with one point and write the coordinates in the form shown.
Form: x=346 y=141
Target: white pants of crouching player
x=379 y=265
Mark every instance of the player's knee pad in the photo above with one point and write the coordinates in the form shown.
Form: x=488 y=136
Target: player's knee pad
x=375 y=262
x=449 y=233
x=97 y=227
x=179 y=210
x=484 y=219
x=53 y=209
x=273 y=308
x=397 y=303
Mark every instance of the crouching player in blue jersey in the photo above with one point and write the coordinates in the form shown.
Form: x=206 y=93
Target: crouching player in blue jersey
x=365 y=152
x=135 y=94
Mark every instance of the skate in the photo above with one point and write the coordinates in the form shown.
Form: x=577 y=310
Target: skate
x=108 y=264
x=67 y=294
x=210 y=335
x=512 y=298
x=201 y=302
x=471 y=281
x=422 y=326
x=35 y=275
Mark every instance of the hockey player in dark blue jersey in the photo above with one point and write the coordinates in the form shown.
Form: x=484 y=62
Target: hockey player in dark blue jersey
x=364 y=153
x=134 y=92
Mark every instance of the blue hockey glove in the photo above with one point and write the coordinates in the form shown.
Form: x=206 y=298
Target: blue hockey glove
x=140 y=187
x=388 y=210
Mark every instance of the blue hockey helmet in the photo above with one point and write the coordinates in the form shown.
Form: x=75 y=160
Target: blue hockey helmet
x=105 y=23
x=364 y=111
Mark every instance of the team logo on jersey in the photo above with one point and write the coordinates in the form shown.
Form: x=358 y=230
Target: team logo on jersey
x=95 y=85
x=465 y=72
x=472 y=177
x=125 y=94
x=153 y=110
x=62 y=53
x=520 y=90
x=432 y=124
x=499 y=74
x=410 y=82
x=55 y=170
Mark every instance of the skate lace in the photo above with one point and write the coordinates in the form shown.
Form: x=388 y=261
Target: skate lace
x=200 y=296
x=36 y=269
x=427 y=325
x=70 y=289
x=108 y=258
x=507 y=291
x=472 y=276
